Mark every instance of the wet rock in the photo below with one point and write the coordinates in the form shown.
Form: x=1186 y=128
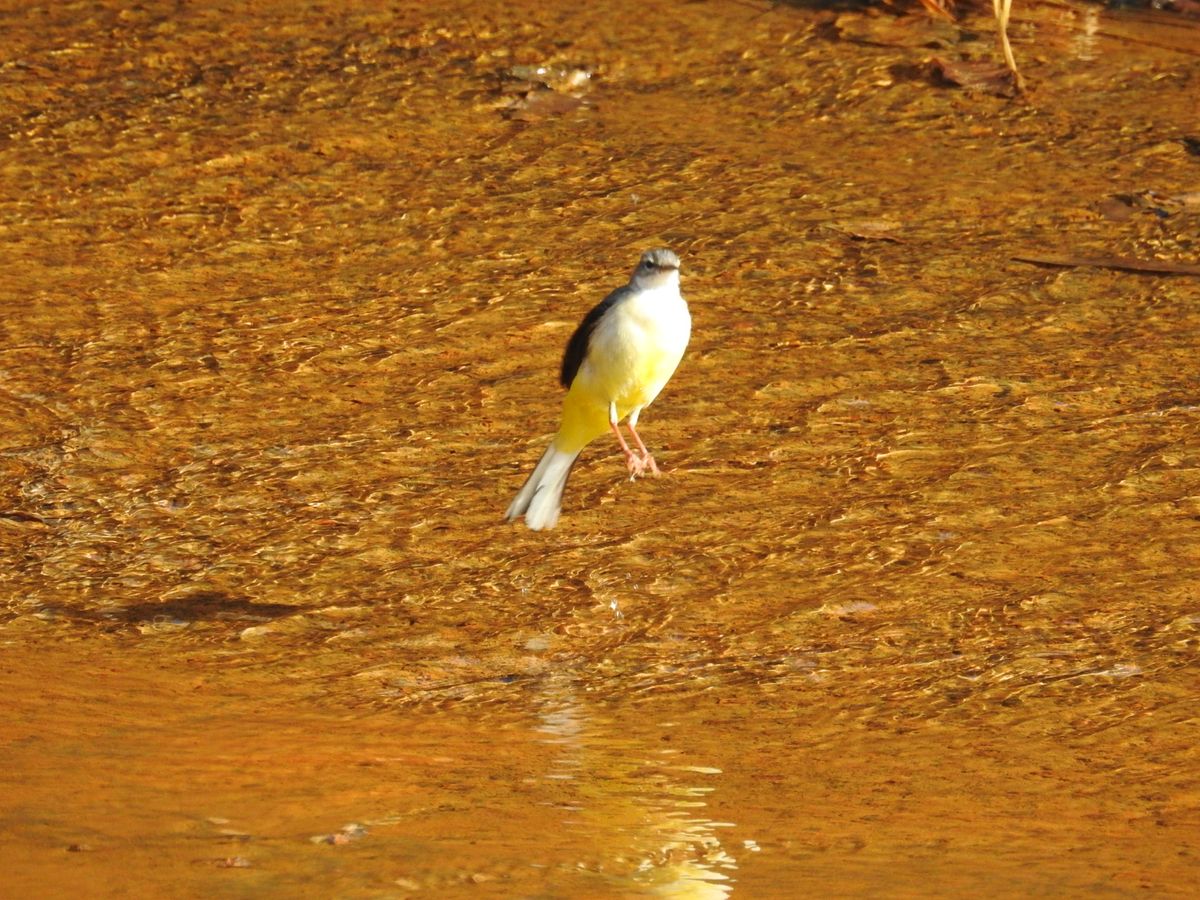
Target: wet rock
x=980 y=76
x=224 y=862
x=531 y=92
x=351 y=832
x=556 y=78
x=541 y=104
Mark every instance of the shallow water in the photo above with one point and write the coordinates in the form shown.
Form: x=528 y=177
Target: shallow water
x=913 y=610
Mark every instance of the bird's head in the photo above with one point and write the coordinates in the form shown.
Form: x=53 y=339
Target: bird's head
x=656 y=268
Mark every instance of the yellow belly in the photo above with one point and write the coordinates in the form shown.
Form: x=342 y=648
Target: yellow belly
x=629 y=373
x=631 y=355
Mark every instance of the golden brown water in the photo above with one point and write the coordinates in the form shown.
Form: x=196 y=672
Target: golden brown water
x=914 y=611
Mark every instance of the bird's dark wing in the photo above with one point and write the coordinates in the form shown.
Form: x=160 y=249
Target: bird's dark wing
x=577 y=346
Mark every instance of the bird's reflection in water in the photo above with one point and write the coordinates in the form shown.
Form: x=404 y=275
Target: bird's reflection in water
x=638 y=800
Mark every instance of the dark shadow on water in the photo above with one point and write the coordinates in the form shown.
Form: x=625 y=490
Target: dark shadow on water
x=200 y=607
x=204 y=606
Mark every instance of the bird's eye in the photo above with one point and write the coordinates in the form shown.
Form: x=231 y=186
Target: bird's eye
x=647 y=264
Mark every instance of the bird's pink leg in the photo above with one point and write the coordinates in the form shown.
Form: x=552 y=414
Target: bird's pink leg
x=647 y=457
x=634 y=463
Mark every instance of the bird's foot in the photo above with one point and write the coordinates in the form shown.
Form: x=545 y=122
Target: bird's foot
x=640 y=464
x=635 y=463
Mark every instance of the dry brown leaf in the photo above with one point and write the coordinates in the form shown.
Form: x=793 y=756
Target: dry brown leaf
x=869 y=229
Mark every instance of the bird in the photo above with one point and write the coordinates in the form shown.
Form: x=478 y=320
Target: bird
x=618 y=360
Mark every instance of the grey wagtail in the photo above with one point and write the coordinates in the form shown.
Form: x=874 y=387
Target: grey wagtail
x=619 y=358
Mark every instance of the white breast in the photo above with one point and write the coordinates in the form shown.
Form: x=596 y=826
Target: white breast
x=637 y=347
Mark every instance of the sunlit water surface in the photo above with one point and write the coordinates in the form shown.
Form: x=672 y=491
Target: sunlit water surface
x=913 y=610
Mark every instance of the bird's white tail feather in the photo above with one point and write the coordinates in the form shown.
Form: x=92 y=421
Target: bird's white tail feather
x=541 y=497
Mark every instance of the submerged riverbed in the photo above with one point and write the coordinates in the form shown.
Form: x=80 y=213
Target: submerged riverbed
x=912 y=611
